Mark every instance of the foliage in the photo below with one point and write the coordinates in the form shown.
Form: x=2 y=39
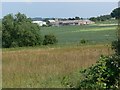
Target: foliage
x=83 y=41
x=116 y=46
x=104 y=74
x=77 y=18
x=101 y=18
x=116 y=13
x=18 y=30
x=49 y=39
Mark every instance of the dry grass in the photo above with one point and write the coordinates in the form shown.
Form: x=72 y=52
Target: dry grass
x=45 y=67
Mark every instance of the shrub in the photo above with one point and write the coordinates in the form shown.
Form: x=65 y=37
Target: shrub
x=105 y=74
x=49 y=39
x=83 y=41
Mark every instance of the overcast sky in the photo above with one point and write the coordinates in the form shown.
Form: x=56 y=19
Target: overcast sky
x=59 y=9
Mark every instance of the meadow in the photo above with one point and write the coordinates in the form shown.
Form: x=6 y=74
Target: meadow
x=46 y=66
x=36 y=67
x=97 y=33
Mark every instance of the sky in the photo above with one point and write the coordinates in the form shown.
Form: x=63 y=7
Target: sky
x=59 y=9
x=59 y=0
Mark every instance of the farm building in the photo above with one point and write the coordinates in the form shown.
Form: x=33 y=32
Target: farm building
x=70 y=22
x=57 y=22
x=40 y=23
x=75 y=22
x=52 y=22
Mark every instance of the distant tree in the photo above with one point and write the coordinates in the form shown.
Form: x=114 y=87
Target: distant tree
x=46 y=19
x=53 y=18
x=101 y=18
x=18 y=30
x=71 y=18
x=77 y=18
x=64 y=19
x=116 y=13
x=81 y=18
x=93 y=19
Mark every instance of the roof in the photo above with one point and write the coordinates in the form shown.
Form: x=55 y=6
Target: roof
x=37 y=21
x=51 y=20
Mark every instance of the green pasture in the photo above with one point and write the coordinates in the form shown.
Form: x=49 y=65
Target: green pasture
x=95 y=33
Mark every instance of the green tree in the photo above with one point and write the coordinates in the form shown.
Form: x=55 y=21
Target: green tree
x=77 y=18
x=104 y=74
x=7 y=30
x=101 y=18
x=93 y=19
x=116 y=13
x=18 y=30
x=116 y=44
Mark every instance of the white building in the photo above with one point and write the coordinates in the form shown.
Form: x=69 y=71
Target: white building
x=40 y=23
x=51 y=21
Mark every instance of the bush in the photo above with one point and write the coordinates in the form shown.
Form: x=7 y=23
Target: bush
x=83 y=41
x=105 y=74
x=49 y=39
x=19 y=31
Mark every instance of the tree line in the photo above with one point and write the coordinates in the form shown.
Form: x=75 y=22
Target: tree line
x=114 y=14
x=101 y=18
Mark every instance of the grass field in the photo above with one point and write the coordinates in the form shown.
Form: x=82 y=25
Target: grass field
x=45 y=66
x=36 y=67
x=97 y=33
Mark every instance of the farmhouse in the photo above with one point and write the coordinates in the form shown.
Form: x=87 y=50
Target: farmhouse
x=40 y=23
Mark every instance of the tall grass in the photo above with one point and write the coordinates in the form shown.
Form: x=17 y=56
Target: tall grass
x=46 y=67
